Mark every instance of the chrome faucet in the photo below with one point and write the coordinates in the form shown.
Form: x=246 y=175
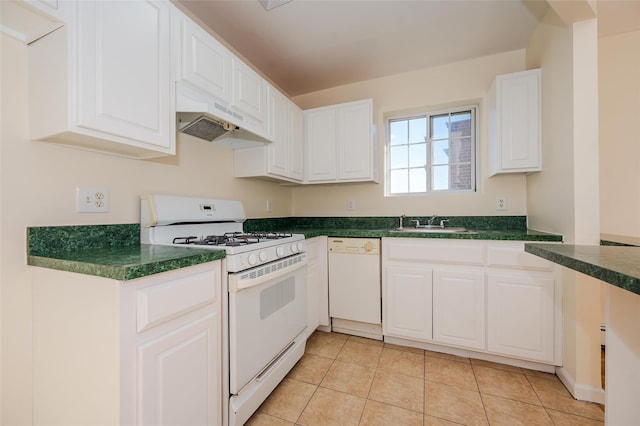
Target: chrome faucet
x=430 y=221
x=400 y=228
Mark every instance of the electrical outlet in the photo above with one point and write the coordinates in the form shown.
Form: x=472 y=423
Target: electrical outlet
x=92 y=199
x=501 y=203
x=351 y=204
x=269 y=206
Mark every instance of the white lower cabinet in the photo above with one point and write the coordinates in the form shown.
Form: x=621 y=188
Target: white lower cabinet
x=459 y=308
x=144 y=352
x=486 y=296
x=172 y=363
x=520 y=316
x=407 y=302
x=317 y=284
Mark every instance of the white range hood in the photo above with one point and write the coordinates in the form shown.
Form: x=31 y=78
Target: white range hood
x=205 y=118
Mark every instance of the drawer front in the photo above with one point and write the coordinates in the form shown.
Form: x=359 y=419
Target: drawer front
x=459 y=253
x=171 y=298
x=514 y=257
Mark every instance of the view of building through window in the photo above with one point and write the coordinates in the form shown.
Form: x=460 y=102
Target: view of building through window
x=432 y=152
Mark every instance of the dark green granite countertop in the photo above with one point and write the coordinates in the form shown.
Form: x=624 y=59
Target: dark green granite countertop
x=110 y=251
x=114 y=251
x=481 y=234
x=615 y=265
x=481 y=227
x=127 y=262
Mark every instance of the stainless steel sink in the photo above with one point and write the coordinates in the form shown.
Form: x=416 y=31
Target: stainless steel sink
x=434 y=230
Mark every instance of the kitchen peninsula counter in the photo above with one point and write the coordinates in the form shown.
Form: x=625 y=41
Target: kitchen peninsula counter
x=619 y=267
x=109 y=251
x=615 y=265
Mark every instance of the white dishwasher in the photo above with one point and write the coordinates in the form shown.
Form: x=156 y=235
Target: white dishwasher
x=354 y=286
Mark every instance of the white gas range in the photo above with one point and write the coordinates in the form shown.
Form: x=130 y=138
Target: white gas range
x=266 y=307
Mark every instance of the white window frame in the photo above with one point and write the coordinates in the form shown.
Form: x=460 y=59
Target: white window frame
x=427 y=112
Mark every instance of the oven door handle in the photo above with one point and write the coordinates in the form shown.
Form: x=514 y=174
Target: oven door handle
x=236 y=284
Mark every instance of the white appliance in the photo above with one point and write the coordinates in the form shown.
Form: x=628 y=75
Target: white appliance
x=266 y=309
x=355 y=304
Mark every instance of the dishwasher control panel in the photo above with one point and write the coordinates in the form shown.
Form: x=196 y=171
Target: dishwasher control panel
x=354 y=245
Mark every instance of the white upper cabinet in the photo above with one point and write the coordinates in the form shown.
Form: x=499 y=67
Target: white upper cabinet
x=514 y=123
x=320 y=141
x=204 y=62
x=281 y=159
x=341 y=143
x=278 y=151
x=103 y=82
x=249 y=96
x=296 y=142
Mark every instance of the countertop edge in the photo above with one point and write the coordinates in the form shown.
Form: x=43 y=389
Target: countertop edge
x=127 y=272
x=617 y=277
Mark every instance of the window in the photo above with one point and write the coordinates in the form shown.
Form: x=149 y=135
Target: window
x=432 y=152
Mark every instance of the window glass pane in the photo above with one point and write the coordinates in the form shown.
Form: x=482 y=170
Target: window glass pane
x=398 y=132
x=418 y=130
x=440 y=178
x=418 y=155
x=440 y=154
x=432 y=152
x=460 y=176
x=398 y=156
x=440 y=126
x=418 y=180
x=460 y=150
x=399 y=181
x=461 y=124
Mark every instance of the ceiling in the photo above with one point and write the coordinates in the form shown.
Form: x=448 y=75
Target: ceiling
x=309 y=45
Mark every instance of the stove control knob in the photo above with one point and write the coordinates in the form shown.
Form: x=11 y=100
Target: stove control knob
x=294 y=248
x=301 y=247
x=263 y=255
x=253 y=259
x=280 y=251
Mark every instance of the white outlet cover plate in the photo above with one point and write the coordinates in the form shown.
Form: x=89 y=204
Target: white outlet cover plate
x=92 y=199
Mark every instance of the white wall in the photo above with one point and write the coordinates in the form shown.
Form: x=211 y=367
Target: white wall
x=563 y=198
x=619 y=83
x=37 y=183
x=458 y=83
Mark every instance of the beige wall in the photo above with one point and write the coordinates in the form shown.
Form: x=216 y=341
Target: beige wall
x=38 y=183
x=458 y=83
x=619 y=82
x=563 y=198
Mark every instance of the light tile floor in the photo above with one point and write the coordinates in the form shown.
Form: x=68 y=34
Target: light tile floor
x=346 y=380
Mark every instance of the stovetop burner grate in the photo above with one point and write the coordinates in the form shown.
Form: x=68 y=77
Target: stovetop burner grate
x=232 y=239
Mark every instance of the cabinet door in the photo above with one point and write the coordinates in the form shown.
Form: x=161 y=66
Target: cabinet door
x=520 y=316
x=179 y=376
x=124 y=70
x=321 y=145
x=278 y=150
x=249 y=96
x=296 y=142
x=204 y=62
x=516 y=131
x=459 y=308
x=407 y=302
x=354 y=141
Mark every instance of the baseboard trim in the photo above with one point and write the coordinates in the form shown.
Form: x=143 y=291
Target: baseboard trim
x=580 y=392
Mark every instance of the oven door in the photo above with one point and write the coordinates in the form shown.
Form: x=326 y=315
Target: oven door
x=267 y=311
